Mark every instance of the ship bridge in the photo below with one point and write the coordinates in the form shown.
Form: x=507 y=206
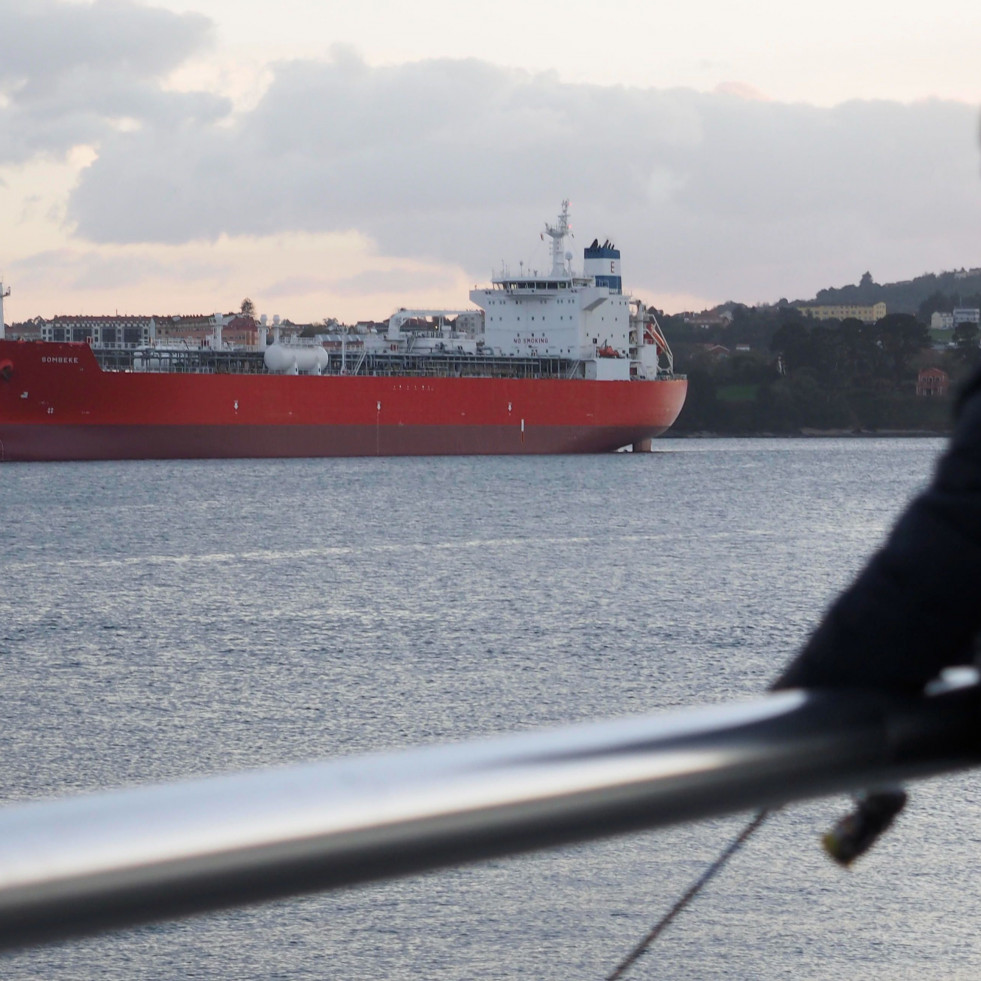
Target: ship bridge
x=535 y=284
x=561 y=314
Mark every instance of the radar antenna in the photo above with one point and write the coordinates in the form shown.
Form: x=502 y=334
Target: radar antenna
x=557 y=234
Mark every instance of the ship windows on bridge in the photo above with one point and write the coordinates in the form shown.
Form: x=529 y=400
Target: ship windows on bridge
x=535 y=285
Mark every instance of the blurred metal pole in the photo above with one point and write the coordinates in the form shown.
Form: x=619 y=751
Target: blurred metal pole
x=100 y=862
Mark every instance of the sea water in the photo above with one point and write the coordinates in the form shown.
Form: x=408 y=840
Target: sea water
x=163 y=620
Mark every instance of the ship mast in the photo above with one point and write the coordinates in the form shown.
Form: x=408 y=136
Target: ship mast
x=3 y=293
x=557 y=234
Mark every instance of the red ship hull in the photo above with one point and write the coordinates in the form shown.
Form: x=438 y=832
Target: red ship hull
x=57 y=404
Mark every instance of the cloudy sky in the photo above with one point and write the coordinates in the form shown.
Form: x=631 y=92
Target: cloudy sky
x=344 y=159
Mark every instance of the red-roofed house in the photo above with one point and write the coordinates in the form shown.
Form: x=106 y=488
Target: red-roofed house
x=932 y=382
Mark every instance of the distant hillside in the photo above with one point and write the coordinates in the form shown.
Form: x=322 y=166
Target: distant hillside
x=921 y=296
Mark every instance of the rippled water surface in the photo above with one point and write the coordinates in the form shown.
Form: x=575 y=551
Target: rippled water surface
x=162 y=620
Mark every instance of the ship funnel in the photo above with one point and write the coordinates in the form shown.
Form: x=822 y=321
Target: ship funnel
x=602 y=262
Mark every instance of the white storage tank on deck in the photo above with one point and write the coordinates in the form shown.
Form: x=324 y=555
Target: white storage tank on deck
x=295 y=359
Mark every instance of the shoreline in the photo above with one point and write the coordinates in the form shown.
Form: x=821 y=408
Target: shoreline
x=807 y=433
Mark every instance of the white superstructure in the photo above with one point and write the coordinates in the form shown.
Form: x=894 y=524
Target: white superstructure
x=562 y=324
x=579 y=317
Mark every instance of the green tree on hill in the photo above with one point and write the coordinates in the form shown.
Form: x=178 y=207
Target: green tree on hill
x=937 y=302
x=901 y=337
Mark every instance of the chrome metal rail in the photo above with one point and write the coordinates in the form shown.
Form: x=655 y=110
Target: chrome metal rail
x=94 y=863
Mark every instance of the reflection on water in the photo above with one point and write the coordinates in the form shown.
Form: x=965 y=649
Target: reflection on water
x=159 y=620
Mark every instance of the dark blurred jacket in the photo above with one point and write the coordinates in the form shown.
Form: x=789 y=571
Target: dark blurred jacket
x=916 y=607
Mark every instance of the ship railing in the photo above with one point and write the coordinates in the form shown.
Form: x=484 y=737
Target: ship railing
x=88 y=864
x=460 y=364
x=360 y=364
x=187 y=360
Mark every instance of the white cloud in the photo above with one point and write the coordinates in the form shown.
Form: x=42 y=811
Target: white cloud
x=74 y=270
x=70 y=73
x=303 y=276
x=459 y=161
x=819 y=53
x=443 y=168
x=46 y=41
x=396 y=282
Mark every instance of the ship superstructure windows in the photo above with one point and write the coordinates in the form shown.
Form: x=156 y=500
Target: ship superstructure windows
x=598 y=305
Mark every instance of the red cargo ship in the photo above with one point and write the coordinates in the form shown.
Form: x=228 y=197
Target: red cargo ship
x=556 y=363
